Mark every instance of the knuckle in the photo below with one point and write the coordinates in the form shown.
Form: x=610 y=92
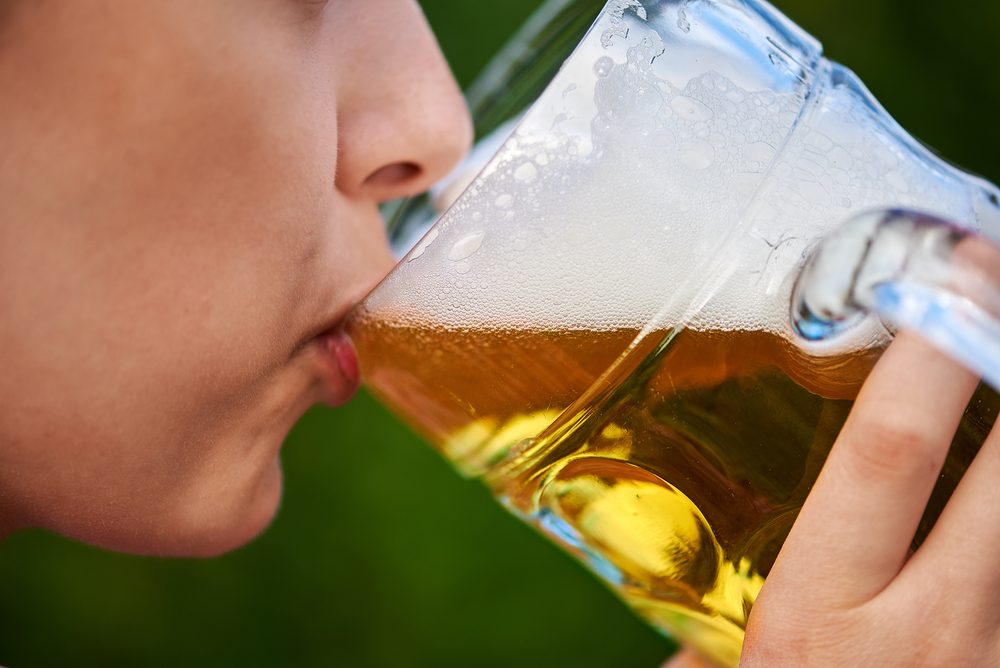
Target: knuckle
x=891 y=447
x=772 y=637
x=821 y=638
x=952 y=650
x=761 y=652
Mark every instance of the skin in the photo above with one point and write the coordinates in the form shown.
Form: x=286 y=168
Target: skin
x=188 y=196
x=188 y=207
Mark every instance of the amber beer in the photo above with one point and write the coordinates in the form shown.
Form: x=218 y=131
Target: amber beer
x=673 y=463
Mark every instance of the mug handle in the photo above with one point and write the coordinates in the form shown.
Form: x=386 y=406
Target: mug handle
x=915 y=271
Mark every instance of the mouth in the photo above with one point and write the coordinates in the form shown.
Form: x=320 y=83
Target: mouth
x=333 y=359
x=327 y=350
x=340 y=371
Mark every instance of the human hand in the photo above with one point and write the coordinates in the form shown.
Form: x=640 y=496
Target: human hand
x=845 y=589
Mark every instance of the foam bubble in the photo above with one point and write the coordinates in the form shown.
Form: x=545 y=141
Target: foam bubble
x=526 y=173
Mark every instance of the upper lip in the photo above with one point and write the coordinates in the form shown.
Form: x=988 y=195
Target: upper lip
x=332 y=322
x=330 y=325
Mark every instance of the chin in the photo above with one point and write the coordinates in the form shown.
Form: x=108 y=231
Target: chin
x=226 y=524
x=219 y=518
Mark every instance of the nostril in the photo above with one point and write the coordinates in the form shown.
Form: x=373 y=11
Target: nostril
x=393 y=176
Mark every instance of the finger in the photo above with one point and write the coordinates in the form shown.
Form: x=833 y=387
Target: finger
x=853 y=533
x=960 y=550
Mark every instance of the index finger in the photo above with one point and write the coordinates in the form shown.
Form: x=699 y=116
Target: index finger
x=857 y=524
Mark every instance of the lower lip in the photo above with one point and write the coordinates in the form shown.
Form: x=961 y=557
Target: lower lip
x=344 y=373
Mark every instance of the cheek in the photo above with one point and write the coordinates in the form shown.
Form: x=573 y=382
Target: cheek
x=174 y=258
x=238 y=281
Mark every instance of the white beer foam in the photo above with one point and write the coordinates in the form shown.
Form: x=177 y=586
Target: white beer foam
x=626 y=199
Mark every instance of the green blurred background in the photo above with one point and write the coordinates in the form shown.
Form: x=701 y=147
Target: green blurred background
x=381 y=556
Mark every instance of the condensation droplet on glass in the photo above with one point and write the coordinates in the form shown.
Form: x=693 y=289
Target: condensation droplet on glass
x=504 y=201
x=569 y=89
x=424 y=244
x=463 y=267
x=466 y=246
x=542 y=159
x=526 y=173
x=476 y=216
x=603 y=66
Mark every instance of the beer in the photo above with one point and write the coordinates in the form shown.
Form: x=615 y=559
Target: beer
x=673 y=463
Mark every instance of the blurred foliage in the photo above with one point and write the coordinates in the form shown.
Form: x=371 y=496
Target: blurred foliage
x=381 y=556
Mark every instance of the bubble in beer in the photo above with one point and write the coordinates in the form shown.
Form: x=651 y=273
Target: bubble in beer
x=504 y=201
x=759 y=152
x=690 y=109
x=697 y=155
x=526 y=173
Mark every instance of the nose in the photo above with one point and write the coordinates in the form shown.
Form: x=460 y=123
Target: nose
x=402 y=121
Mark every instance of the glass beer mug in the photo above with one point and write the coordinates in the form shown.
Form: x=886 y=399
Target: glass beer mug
x=643 y=322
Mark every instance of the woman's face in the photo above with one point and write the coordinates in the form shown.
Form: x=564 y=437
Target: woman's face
x=188 y=205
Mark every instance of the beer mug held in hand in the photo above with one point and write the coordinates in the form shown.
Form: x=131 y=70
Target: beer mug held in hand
x=615 y=325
